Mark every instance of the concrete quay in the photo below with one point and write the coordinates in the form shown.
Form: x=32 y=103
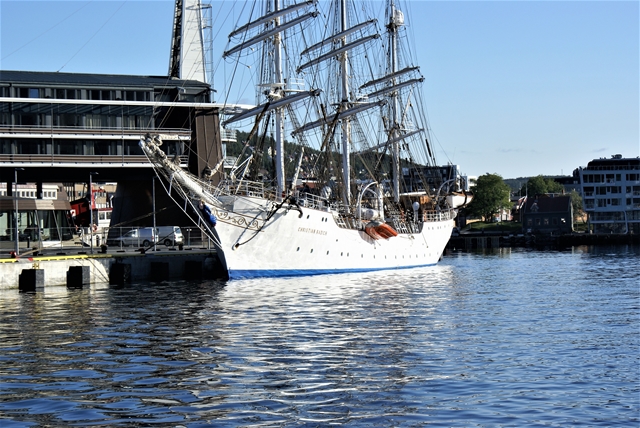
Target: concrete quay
x=118 y=268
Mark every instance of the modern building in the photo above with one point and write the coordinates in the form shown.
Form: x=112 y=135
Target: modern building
x=67 y=120
x=611 y=194
x=72 y=128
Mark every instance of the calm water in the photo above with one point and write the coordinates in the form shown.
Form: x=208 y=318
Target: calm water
x=512 y=338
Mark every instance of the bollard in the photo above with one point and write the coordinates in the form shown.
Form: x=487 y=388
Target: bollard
x=119 y=273
x=31 y=280
x=192 y=269
x=159 y=271
x=77 y=276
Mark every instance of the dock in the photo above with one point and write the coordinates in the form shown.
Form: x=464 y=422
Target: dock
x=34 y=273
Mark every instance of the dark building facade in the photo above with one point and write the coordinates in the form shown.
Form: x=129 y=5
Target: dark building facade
x=548 y=214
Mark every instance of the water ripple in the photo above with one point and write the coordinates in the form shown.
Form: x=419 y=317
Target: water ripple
x=511 y=338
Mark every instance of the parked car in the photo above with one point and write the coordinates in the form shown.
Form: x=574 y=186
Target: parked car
x=142 y=237
x=170 y=235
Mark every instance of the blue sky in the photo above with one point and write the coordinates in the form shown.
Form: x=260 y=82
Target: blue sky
x=517 y=88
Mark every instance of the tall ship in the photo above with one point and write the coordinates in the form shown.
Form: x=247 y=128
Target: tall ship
x=335 y=174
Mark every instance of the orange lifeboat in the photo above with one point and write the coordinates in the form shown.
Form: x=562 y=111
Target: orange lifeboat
x=370 y=229
x=385 y=231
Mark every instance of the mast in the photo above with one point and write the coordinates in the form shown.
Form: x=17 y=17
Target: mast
x=279 y=88
x=395 y=21
x=346 y=164
x=270 y=28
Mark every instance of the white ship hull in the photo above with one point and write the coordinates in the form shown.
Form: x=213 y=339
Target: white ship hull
x=312 y=243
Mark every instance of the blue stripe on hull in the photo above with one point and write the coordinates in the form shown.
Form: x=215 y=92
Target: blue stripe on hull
x=245 y=274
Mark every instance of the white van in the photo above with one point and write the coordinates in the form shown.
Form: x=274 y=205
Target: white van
x=169 y=235
x=143 y=237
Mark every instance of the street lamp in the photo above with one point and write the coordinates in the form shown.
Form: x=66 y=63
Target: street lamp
x=15 y=191
x=91 y=174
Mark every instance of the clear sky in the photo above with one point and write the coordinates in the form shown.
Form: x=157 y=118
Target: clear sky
x=517 y=88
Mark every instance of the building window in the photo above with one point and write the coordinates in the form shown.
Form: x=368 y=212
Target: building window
x=546 y=221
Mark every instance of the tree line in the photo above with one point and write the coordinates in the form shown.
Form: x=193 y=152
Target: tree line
x=491 y=195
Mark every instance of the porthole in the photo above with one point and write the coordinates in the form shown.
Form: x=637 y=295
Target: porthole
x=311 y=250
x=298 y=249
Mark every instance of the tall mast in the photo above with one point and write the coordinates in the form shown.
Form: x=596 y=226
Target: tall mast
x=187 y=60
x=395 y=21
x=346 y=164
x=279 y=89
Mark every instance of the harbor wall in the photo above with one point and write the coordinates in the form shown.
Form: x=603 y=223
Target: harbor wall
x=473 y=241
x=141 y=267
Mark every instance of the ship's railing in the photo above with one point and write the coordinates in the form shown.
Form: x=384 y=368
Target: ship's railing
x=241 y=188
x=228 y=135
x=310 y=200
x=438 y=215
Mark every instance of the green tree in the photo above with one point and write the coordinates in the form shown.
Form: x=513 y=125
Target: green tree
x=576 y=202
x=490 y=195
x=540 y=185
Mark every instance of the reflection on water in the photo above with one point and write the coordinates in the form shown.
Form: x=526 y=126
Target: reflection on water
x=506 y=338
